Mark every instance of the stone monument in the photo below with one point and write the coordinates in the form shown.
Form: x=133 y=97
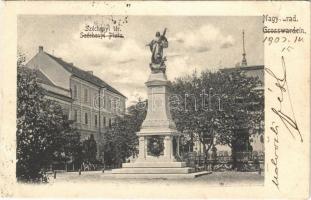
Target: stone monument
x=158 y=137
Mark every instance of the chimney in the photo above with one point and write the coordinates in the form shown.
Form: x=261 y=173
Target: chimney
x=40 y=49
x=90 y=72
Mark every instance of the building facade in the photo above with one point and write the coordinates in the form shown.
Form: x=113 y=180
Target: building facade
x=89 y=101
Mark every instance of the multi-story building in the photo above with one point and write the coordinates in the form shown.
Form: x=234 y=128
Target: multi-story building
x=89 y=101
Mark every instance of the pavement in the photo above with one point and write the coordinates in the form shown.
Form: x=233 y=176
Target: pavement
x=226 y=178
x=98 y=185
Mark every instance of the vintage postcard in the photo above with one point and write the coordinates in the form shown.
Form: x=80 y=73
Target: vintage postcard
x=155 y=99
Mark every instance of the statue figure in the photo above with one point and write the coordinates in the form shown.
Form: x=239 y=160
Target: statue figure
x=156 y=47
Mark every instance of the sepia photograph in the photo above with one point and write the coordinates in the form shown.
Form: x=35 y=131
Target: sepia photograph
x=140 y=98
x=155 y=99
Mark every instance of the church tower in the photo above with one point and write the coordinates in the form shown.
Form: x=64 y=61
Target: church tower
x=244 y=62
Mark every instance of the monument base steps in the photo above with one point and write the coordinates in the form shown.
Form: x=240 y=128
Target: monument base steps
x=155 y=176
x=154 y=165
x=144 y=170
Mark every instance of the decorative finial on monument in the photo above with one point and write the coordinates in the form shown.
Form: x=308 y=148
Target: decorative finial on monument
x=244 y=62
x=156 y=47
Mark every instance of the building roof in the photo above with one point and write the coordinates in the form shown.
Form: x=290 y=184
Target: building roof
x=84 y=75
x=245 y=68
x=40 y=76
x=44 y=80
x=252 y=71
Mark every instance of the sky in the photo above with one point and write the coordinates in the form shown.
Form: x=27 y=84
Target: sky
x=195 y=43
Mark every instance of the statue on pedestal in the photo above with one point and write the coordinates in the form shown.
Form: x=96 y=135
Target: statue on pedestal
x=158 y=137
x=156 y=47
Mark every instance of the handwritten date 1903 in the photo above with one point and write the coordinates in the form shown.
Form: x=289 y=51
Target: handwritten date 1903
x=276 y=39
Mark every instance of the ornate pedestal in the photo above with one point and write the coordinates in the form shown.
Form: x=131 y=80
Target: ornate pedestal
x=158 y=137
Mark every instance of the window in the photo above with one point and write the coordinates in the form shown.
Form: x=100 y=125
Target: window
x=85 y=118
x=104 y=121
x=95 y=121
x=118 y=106
x=75 y=92
x=109 y=123
x=75 y=115
x=109 y=104
x=262 y=139
x=85 y=95
x=103 y=102
x=113 y=105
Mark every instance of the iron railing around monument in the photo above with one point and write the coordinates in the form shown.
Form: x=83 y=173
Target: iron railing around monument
x=240 y=161
x=73 y=167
